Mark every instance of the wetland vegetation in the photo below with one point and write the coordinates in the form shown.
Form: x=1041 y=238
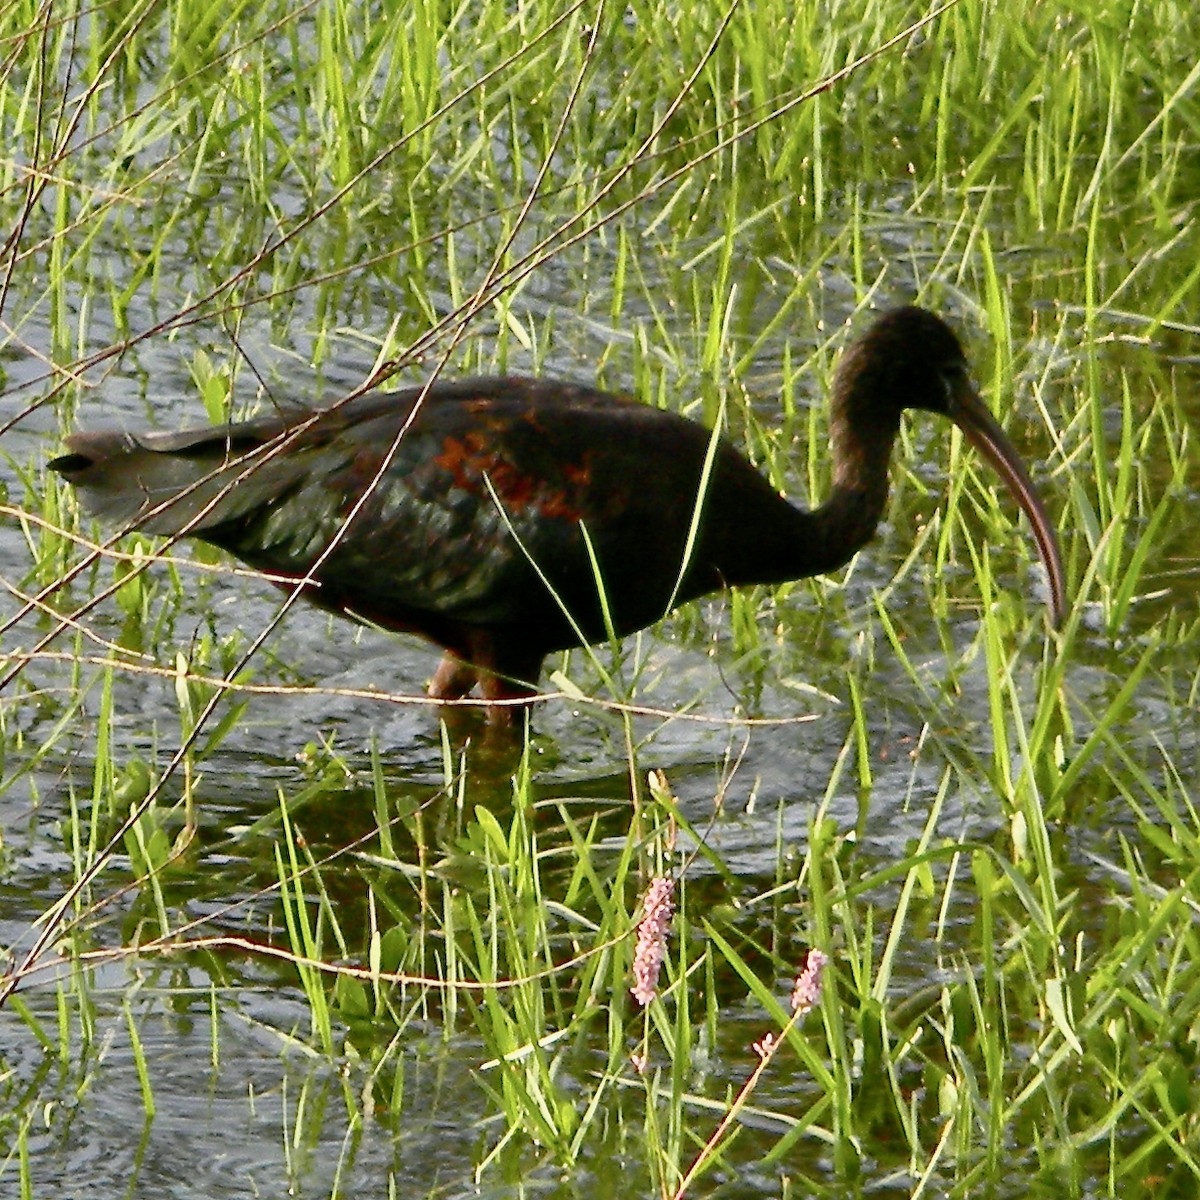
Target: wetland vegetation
x=270 y=926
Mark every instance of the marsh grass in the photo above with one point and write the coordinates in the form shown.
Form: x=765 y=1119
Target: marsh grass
x=228 y=207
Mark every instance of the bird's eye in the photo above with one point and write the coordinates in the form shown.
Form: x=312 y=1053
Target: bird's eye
x=953 y=377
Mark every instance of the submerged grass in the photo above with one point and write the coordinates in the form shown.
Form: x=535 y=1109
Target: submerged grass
x=993 y=830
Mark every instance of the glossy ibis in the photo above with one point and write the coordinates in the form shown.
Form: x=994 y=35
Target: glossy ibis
x=483 y=515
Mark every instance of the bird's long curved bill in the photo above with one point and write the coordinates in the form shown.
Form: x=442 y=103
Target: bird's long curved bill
x=971 y=415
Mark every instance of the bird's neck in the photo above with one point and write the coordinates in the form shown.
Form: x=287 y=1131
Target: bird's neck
x=756 y=536
x=861 y=438
x=762 y=538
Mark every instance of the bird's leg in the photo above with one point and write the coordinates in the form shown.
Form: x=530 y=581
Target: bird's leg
x=453 y=678
x=507 y=671
x=456 y=676
x=497 y=687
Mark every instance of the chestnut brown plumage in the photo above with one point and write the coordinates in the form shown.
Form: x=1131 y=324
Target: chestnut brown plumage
x=482 y=513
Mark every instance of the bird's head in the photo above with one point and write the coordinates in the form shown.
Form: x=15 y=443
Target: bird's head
x=911 y=359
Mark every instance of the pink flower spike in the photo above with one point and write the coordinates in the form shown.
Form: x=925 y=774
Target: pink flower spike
x=765 y=1046
x=806 y=994
x=653 y=928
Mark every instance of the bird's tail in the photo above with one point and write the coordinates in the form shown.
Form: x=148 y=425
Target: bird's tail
x=168 y=483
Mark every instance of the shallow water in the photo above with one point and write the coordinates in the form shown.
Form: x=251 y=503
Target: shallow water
x=249 y=1107
x=222 y=1128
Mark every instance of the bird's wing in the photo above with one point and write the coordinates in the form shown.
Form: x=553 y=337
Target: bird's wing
x=488 y=507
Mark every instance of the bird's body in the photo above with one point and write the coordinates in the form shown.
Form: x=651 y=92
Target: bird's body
x=505 y=519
